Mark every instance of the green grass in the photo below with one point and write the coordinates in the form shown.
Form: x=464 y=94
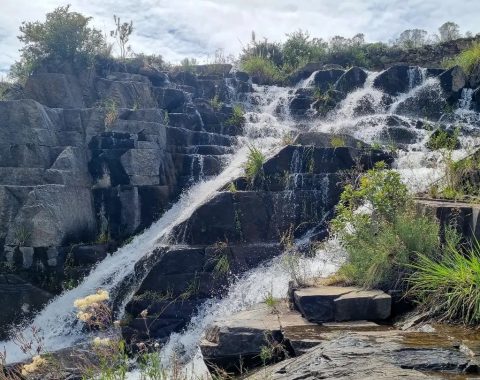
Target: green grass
x=380 y=252
x=216 y=103
x=467 y=59
x=262 y=68
x=337 y=142
x=238 y=116
x=449 y=285
x=254 y=166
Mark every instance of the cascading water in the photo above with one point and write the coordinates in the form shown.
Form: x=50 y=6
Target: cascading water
x=58 y=320
x=366 y=113
x=417 y=166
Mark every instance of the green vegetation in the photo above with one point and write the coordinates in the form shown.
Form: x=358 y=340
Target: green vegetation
x=216 y=103
x=271 y=302
x=337 y=141
x=238 y=116
x=467 y=59
x=122 y=33
x=381 y=241
x=64 y=37
x=111 y=112
x=263 y=69
x=449 y=284
x=461 y=179
x=221 y=259
x=442 y=139
x=254 y=166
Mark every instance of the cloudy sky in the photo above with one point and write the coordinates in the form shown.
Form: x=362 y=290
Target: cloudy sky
x=196 y=28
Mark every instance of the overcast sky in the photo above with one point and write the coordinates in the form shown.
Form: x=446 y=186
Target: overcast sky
x=196 y=28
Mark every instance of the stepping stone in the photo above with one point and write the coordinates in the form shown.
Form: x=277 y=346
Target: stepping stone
x=334 y=303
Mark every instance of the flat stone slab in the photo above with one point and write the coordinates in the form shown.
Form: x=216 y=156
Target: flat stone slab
x=242 y=335
x=379 y=354
x=335 y=303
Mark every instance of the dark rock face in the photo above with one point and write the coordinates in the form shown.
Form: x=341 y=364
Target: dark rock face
x=401 y=78
x=329 y=303
x=244 y=228
x=18 y=298
x=452 y=82
x=100 y=155
x=352 y=79
x=324 y=79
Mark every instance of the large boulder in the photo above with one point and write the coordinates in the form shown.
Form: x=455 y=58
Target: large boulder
x=396 y=79
x=351 y=80
x=325 y=79
x=55 y=90
x=452 y=82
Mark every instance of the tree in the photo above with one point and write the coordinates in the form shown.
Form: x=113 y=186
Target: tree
x=122 y=34
x=63 y=37
x=449 y=31
x=412 y=38
x=299 y=48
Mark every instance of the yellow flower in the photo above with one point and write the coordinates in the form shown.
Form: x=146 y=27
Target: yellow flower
x=83 y=303
x=37 y=362
x=84 y=316
x=101 y=341
x=144 y=313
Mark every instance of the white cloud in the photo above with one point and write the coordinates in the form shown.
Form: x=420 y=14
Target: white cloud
x=196 y=28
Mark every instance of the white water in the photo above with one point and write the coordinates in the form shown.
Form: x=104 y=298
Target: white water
x=58 y=321
x=418 y=167
x=267 y=122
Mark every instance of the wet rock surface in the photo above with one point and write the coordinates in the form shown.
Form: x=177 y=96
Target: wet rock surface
x=95 y=157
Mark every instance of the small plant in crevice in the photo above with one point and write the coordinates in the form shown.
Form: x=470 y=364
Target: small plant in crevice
x=22 y=235
x=271 y=302
x=111 y=112
x=216 y=103
x=221 y=259
x=166 y=117
x=254 y=166
x=237 y=119
x=337 y=142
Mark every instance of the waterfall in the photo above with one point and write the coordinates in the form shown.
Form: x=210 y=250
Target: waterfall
x=266 y=124
x=363 y=114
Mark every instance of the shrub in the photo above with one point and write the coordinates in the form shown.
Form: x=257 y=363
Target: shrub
x=263 y=69
x=467 y=59
x=238 y=116
x=449 y=284
x=254 y=166
x=381 y=239
x=64 y=37
x=442 y=139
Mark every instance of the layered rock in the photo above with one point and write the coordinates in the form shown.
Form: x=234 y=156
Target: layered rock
x=96 y=157
x=240 y=230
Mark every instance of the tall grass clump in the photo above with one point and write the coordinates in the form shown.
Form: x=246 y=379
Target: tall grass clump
x=263 y=69
x=254 y=166
x=467 y=59
x=238 y=116
x=381 y=230
x=449 y=284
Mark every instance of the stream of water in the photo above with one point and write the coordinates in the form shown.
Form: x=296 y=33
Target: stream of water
x=268 y=122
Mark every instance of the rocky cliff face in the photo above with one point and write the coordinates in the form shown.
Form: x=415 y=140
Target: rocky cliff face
x=88 y=160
